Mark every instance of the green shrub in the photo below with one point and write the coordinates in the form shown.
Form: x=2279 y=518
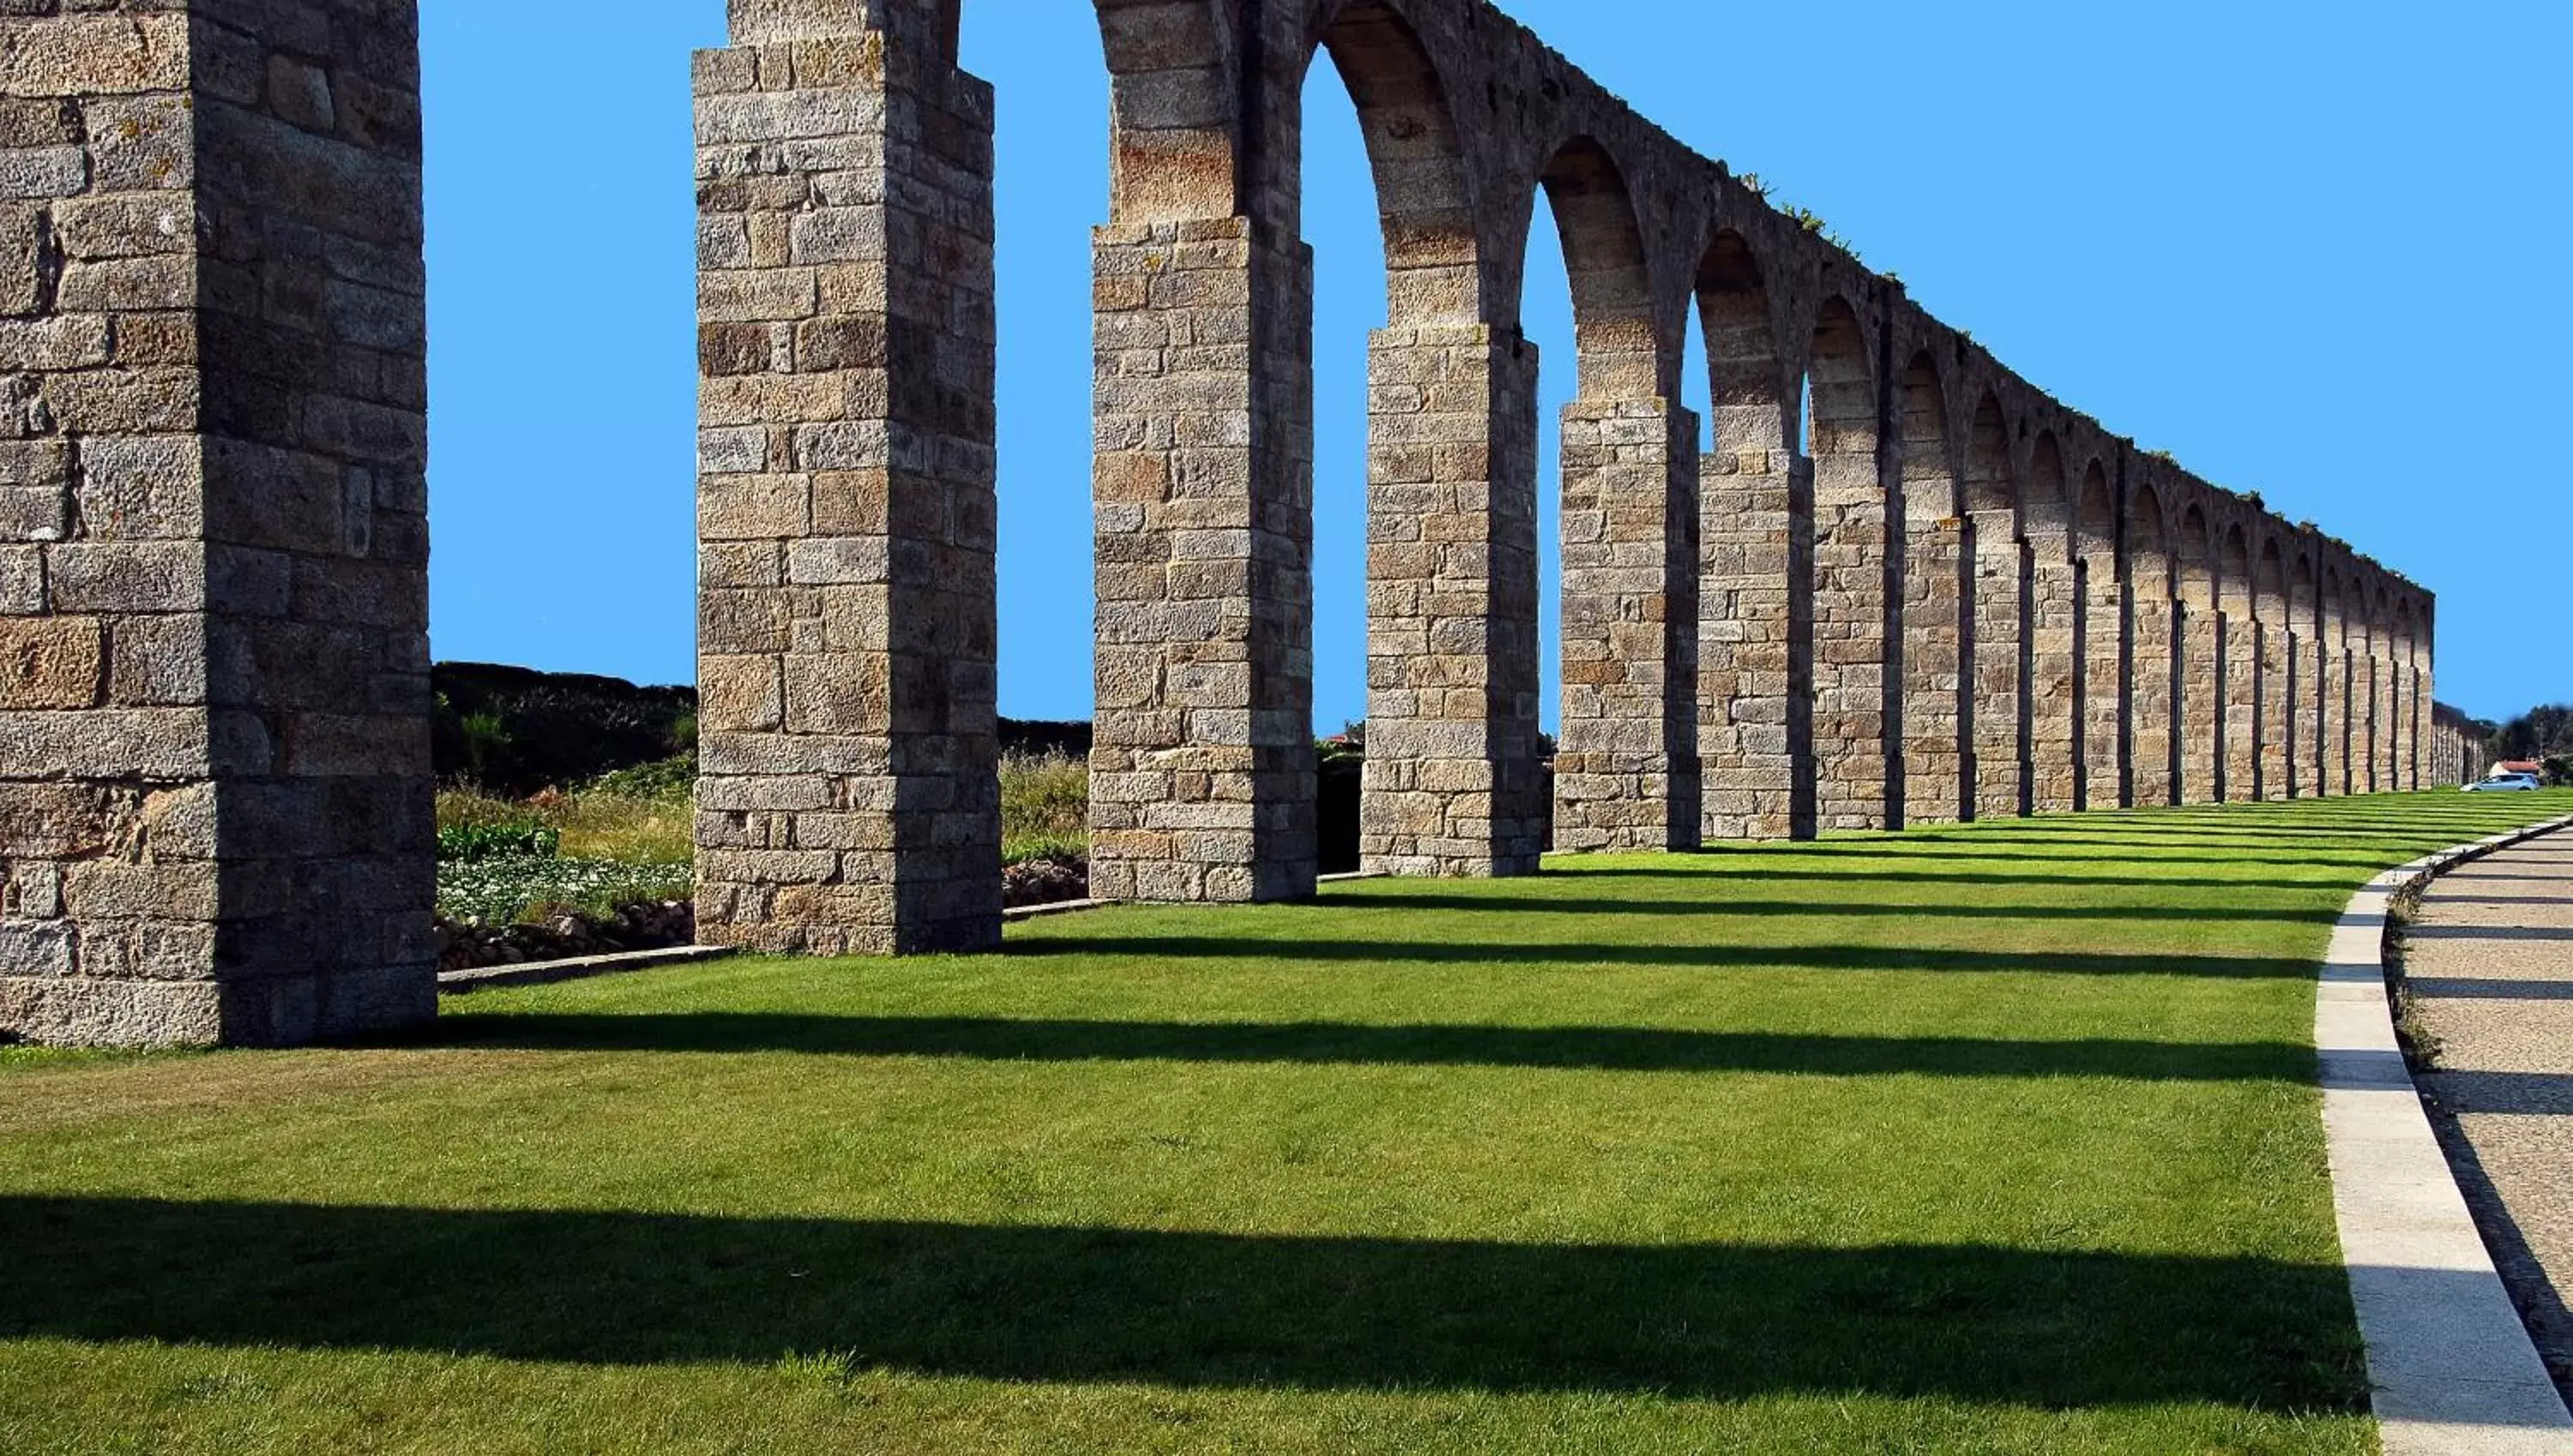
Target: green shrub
x=671 y=780
x=1045 y=807
x=466 y=843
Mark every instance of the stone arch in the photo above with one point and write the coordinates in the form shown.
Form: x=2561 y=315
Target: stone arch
x=2149 y=544
x=2196 y=559
x=1425 y=195
x=1626 y=766
x=2198 y=672
x=1452 y=782
x=2238 y=665
x=1990 y=485
x=1747 y=375
x=2234 y=569
x=1840 y=385
x=1931 y=489
x=1613 y=321
x=2305 y=668
x=2304 y=607
x=2269 y=581
x=2045 y=506
x=2154 y=632
x=2053 y=631
x=1997 y=697
x=1755 y=649
x=2095 y=519
x=1173 y=107
x=2338 y=705
x=2272 y=699
x=1855 y=686
x=2099 y=645
x=1931 y=577
x=2378 y=664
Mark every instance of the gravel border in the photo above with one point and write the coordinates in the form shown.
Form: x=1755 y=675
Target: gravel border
x=2451 y=1370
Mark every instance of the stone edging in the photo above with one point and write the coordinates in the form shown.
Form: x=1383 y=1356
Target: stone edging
x=2451 y=1369
x=539 y=973
x=1052 y=906
x=1074 y=906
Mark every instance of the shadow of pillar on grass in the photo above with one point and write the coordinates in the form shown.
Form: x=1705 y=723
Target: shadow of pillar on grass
x=1183 y=1309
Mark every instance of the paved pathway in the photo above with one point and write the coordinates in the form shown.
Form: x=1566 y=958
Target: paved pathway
x=2490 y=962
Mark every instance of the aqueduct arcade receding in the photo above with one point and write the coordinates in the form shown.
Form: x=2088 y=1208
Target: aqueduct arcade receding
x=1903 y=586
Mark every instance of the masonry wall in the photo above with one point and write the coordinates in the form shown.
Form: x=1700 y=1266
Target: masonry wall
x=215 y=795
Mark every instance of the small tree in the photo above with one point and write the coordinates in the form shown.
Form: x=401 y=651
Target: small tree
x=2559 y=772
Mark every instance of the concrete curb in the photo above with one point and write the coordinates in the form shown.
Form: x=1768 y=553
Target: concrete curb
x=1058 y=907
x=540 y=973
x=2451 y=1370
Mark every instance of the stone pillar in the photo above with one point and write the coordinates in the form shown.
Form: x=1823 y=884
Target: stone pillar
x=1999 y=763
x=849 y=803
x=2105 y=717
x=2322 y=667
x=2379 y=720
x=1934 y=578
x=1850 y=642
x=2202 y=706
x=215 y=822
x=2304 y=713
x=1626 y=770
x=2153 y=683
x=2350 y=740
x=1453 y=785
x=2240 y=639
x=2399 y=726
x=1202 y=775
x=1755 y=645
x=2278 y=712
x=2054 y=651
x=2425 y=713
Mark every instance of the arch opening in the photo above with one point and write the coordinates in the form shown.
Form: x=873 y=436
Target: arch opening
x=1856 y=671
x=1755 y=655
x=1425 y=192
x=1619 y=346
x=1626 y=765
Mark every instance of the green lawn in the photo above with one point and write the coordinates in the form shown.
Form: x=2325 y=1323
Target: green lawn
x=1996 y=1139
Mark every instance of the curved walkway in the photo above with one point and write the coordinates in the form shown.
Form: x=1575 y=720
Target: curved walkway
x=2451 y=1370
x=2489 y=959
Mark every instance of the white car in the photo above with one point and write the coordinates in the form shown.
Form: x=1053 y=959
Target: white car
x=2505 y=784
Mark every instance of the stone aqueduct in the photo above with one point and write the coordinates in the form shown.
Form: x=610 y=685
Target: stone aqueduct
x=1933 y=593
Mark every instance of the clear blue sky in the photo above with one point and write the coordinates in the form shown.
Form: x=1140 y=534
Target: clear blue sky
x=2315 y=248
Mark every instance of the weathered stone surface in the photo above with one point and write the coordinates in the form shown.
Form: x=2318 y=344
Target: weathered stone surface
x=1626 y=773
x=847 y=611
x=214 y=801
x=1453 y=784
